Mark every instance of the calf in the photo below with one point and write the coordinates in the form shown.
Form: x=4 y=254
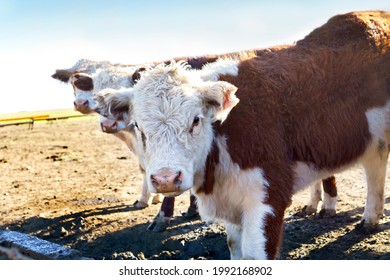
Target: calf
x=300 y=114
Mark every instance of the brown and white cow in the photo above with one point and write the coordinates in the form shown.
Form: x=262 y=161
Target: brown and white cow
x=85 y=90
x=246 y=135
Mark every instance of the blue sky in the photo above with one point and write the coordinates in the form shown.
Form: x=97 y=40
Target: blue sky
x=38 y=37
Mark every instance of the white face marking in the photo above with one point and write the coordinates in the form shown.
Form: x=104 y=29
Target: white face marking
x=173 y=111
x=83 y=101
x=173 y=134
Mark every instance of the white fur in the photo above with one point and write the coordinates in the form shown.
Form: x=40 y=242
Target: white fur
x=226 y=66
x=374 y=164
x=329 y=204
x=90 y=66
x=234 y=240
x=315 y=197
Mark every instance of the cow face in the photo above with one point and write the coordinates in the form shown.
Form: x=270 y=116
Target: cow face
x=86 y=86
x=114 y=105
x=113 y=111
x=83 y=90
x=172 y=111
x=88 y=77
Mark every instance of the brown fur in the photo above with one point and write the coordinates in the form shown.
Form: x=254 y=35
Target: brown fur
x=366 y=29
x=62 y=75
x=329 y=185
x=307 y=103
x=211 y=162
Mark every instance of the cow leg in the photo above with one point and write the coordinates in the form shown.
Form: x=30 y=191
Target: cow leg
x=254 y=238
x=234 y=234
x=164 y=216
x=330 y=197
x=192 y=211
x=145 y=199
x=375 y=166
x=315 y=198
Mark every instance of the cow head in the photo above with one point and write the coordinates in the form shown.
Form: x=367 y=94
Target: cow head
x=172 y=110
x=113 y=107
x=88 y=77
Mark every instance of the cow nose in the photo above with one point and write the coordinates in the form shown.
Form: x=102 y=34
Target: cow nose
x=114 y=126
x=166 y=181
x=103 y=127
x=109 y=127
x=80 y=103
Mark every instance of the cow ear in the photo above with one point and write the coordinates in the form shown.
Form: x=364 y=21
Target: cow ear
x=82 y=81
x=116 y=104
x=62 y=75
x=220 y=97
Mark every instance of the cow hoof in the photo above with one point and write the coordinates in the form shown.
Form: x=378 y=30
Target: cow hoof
x=158 y=226
x=157 y=199
x=191 y=213
x=327 y=213
x=308 y=210
x=366 y=228
x=140 y=204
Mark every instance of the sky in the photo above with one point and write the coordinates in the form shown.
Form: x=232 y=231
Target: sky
x=38 y=37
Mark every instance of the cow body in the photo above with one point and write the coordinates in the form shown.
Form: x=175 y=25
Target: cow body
x=246 y=134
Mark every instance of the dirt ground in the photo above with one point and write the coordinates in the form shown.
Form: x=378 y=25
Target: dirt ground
x=71 y=184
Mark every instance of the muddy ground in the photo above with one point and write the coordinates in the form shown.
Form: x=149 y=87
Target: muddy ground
x=71 y=184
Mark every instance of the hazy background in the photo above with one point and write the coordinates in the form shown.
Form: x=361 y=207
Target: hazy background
x=38 y=37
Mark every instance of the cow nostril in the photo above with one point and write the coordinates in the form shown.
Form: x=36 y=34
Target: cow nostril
x=85 y=103
x=179 y=178
x=155 y=183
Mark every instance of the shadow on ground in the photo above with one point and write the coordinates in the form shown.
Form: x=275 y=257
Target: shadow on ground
x=96 y=236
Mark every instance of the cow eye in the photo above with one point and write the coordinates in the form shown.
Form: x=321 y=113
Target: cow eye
x=136 y=125
x=195 y=122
